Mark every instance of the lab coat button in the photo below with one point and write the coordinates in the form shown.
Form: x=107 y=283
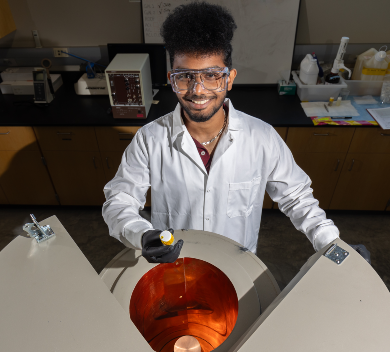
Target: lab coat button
x=208 y=191
x=207 y=219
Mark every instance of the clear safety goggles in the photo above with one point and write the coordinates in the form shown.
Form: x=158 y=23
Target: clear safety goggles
x=214 y=79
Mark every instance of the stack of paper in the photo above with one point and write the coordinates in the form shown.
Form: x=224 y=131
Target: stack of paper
x=319 y=109
x=382 y=116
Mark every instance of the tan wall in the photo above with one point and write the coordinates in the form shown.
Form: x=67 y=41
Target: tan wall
x=74 y=22
x=93 y=23
x=326 y=21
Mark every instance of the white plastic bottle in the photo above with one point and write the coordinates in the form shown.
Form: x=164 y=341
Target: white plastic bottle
x=308 y=72
x=375 y=68
x=357 y=71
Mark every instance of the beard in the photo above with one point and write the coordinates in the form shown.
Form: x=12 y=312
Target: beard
x=202 y=116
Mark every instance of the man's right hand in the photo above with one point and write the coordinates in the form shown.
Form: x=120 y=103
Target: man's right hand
x=155 y=251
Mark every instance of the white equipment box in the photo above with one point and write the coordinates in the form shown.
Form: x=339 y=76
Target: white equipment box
x=91 y=86
x=26 y=87
x=129 y=83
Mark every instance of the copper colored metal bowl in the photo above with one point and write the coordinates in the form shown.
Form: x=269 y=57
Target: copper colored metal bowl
x=188 y=297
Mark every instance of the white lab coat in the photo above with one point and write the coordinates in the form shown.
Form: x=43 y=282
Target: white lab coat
x=249 y=159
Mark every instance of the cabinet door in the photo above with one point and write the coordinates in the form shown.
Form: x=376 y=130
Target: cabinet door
x=24 y=178
x=115 y=138
x=319 y=139
x=111 y=162
x=67 y=138
x=78 y=177
x=282 y=132
x=370 y=140
x=17 y=138
x=324 y=170
x=3 y=198
x=363 y=183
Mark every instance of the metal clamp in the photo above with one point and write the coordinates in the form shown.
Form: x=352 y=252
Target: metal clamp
x=40 y=233
x=336 y=254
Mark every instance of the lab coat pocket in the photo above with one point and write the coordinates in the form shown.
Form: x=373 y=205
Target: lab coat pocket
x=241 y=197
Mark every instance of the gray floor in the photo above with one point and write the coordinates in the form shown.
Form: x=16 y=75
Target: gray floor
x=282 y=248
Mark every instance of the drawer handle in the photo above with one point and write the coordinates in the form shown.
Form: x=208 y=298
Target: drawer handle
x=353 y=162
x=108 y=165
x=385 y=135
x=94 y=162
x=337 y=166
x=321 y=134
x=64 y=133
x=4 y=133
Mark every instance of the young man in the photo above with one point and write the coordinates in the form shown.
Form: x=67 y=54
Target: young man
x=208 y=165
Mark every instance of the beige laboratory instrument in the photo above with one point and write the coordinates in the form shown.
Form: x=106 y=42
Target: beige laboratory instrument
x=129 y=83
x=216 y=296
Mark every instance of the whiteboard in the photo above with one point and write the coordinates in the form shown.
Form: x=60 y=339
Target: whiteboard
x=263 y=42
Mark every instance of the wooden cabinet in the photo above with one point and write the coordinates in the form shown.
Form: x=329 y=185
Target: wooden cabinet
x=111 y=161
x=282 y=131
x=3 y=198
x=319 y=139
x=324 y=170
x=67 y=138
x=18 y=138
x=364 y=180
x=24 y=178
x=112 y=143
x=74 y=162
x=363 y=183
x=78 y=176
x=115 y=138
x=370 y=140
x=268 y=202
x=320 y=152
x=7 y=23
x=349 y=167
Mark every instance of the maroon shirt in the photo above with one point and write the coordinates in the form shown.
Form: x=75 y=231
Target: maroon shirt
x=204 y=154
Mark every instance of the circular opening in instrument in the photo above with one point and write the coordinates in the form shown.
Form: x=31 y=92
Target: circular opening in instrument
x=187 y=298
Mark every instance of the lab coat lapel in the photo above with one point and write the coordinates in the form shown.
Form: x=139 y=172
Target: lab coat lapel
x=184 y=142
x=229 y=138
x=189 y=149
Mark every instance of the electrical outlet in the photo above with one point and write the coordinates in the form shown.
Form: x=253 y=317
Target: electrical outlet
x=60 y=52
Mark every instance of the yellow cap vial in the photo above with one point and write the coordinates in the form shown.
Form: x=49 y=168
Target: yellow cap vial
x=166 y=238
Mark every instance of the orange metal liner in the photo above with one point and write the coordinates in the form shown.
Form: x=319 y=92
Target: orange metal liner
x=188 y=297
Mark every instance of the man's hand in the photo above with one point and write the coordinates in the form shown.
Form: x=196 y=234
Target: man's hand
x=363 y=251
x=155 y=252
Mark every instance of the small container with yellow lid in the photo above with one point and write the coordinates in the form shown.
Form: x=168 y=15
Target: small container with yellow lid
x=167 y=238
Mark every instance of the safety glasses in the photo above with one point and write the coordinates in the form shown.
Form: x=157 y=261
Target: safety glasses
x=214 y=79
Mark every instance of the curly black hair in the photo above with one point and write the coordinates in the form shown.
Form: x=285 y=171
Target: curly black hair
x=200 y=29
